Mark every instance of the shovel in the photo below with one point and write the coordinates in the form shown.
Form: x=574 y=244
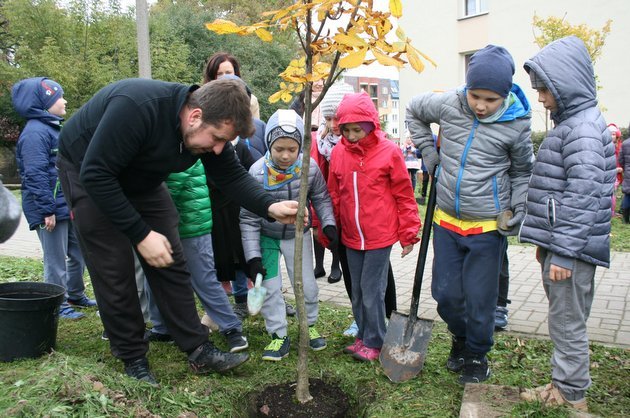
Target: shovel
x=407 y=338
x=256 y=296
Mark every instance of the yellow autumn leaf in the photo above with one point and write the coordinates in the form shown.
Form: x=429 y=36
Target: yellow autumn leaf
x=395 y=7
x=264 y=35
x=221 y=27
x=276 y=96
x=399 y=46
x=415 y=61
x=353 y=59
x=354 y=41
x=386 y=60
x=383 y=28
x=426 y=57
x=401 y=33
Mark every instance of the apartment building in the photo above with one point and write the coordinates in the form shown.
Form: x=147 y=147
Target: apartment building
x=451 y=31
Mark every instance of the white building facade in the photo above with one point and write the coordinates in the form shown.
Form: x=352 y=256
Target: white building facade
x=449 y=31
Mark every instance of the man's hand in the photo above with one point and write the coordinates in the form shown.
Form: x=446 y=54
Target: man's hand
x=156 y=250
x=512 y=225
x=406 y=250
x=50 y=222
x=557 y=273
x=286 y=212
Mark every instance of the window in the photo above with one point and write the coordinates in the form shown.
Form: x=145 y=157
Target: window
x=395 y=117
x=364 y=87
x=384 y=104
x=394 y=131
x=475 y=7
x=394 y=104
x=373 y=90
x=467 y=62
x=384 y=90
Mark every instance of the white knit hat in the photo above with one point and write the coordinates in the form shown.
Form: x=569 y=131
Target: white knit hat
x=334 y=95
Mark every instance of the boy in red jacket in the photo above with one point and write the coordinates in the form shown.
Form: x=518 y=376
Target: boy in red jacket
x=375 y=208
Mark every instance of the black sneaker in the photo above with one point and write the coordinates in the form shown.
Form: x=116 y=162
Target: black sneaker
x=156 y=337
x=139 y=369
x=236 y=341
x=319 y=272
x=316 y=341
x=455 y=362
x=207 y=358
x=277 y=349
x=240 y=310
x=335 y=276
x=475 y=369
x=290 y=309
x=104 y=336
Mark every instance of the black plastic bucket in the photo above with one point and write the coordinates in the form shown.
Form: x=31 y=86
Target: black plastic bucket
x=29 y=313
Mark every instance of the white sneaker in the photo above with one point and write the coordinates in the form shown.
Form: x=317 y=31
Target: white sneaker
x=207 y=321
x=352 y=330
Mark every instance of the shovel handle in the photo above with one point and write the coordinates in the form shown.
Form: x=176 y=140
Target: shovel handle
x=424 y=249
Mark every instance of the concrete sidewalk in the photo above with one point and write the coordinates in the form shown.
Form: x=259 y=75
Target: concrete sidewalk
x=609 y=322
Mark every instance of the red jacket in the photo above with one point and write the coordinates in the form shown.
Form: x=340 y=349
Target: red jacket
x=369 y=185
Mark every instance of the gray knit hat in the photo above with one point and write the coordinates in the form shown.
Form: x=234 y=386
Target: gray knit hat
x=333 y=97
x=284 y=123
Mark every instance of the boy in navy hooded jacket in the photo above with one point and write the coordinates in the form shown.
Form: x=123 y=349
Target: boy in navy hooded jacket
x=40 y=100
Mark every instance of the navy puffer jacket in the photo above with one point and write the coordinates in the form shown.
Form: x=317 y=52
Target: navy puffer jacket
x=569 y=195
x=36 y=155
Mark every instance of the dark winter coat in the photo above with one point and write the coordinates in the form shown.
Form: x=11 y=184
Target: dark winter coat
x=36 y=155
x=569 y=195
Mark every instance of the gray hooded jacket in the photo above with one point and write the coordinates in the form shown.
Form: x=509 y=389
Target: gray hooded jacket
x=569 y=195
x=252 y=225
x=484 y=167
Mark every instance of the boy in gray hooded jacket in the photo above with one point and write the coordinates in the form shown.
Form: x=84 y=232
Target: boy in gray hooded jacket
x=568 y=210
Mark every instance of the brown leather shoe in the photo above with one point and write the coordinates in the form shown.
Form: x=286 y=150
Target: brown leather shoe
x=551 y=395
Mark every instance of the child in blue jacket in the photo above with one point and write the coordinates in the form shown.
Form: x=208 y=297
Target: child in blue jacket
x=40 y=101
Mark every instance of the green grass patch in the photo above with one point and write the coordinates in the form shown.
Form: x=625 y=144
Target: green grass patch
x=82 y=378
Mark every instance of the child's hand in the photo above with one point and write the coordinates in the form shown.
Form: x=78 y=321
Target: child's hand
x=406 y=250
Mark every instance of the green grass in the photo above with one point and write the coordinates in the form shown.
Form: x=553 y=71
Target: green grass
x=81 y=378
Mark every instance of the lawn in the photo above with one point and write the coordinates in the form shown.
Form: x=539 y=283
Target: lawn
x=81 y=378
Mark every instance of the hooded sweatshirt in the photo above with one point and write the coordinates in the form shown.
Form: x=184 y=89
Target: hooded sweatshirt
x=369 y=184
x=36 y=151
x=569 y=195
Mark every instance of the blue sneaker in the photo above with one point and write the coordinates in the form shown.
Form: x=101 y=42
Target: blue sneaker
x=82 y=302
x=501 y=318
x=352 y=330
x=66 y=312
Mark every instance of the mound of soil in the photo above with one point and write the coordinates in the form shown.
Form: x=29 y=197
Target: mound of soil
x=278 y=401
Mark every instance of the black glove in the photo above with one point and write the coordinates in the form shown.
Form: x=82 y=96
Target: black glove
x=333 y=238
x=255 y=266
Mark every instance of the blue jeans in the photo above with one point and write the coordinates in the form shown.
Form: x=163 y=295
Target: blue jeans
x=63 y=262
x=203 y=275
x=239 y=286
x=466 y=284
x=368 y=271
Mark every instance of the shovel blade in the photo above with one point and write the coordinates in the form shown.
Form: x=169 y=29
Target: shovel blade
x=405 y=347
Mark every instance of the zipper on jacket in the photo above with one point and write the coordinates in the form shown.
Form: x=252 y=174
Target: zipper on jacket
x=551 y=211
x=462 y=165
x=355 y=186
x=495 y=194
